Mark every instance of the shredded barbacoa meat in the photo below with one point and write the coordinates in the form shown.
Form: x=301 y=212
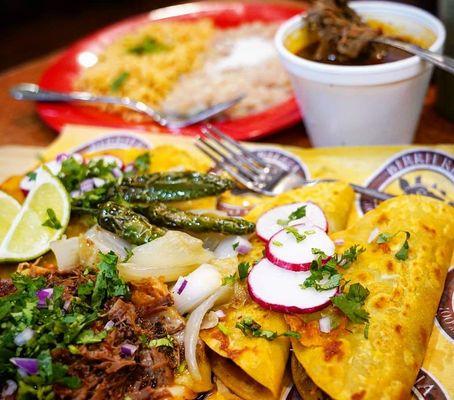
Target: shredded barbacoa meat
x=342 y=35
x=106 y=373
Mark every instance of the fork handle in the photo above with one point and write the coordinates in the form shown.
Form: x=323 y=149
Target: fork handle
x=372 y=193
x=30 y=91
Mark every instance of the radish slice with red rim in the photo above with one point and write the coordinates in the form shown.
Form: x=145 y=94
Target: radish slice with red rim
x=277 y=289
x=293 y=247
x=277 y=218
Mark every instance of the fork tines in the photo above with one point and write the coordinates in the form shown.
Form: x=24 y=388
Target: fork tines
x=239 y=162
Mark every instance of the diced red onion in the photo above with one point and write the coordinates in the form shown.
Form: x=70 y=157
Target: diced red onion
x=244 y=246
x=66 y=305
x=24 y=337
x=117 y=172
x=98 y=182
x=109 y=325
x=10 y=388
x=87 y=185
x=27 y=365
x=220 y=313
x=76 y=194
x=325 y=324
x=130 y=168
x=62 y=157
x=78 y=157
x=43 y=295
x=182 y=286
x=128 y=349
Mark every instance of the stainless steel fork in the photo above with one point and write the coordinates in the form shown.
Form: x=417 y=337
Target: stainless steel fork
x=254 y=172
x=30 y=91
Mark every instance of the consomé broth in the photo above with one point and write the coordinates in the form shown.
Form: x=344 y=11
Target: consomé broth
x=304 y=44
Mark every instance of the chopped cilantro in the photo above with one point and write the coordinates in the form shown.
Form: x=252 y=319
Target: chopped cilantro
x=162 y=342
x=108 y=283
x=243 y=269
x=323 y=276
x=229 y=279
x=183 y=366
x=300 y=212
x=251 y=328
x=119 y=81
x=235 y=245
x=277 y=243
x=384 y=237
x=129 y=254
x=52 y=222
x=292 y=334
x=148 y=45
x=366 y=331
x=89 y=336
x=32 y=175
x=351 y=303
x=348 y=256
x=142 y=163
x=72 y=173
x=54 y=326
x=402 y=253
x=223 y=328
x=293 y=231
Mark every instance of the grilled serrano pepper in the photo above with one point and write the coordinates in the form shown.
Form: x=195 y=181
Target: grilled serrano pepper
x=172 y=186
x=128 y=224
x=160 y=214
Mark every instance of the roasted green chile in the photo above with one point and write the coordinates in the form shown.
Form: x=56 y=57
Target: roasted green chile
x=128 y=224
x=173 y=218
x=172 y=186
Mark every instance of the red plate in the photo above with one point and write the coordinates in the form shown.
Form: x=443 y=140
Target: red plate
x=61 y=75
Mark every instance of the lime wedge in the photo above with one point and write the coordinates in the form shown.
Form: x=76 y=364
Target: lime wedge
x=9 y=208
x=42 y=218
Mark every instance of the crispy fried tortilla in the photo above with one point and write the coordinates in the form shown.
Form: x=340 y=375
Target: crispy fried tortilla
x=403 y=299
x=265 y=361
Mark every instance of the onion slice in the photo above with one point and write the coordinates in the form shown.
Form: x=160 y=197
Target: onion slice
x=191 y=332
x=66 y=252
x=10 y=388
x=106 y=241
x=28 y=365
x=193 y=289
x=232 y=246
x=24 y=337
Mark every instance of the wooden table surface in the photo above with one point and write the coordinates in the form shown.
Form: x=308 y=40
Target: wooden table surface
x=20 y=124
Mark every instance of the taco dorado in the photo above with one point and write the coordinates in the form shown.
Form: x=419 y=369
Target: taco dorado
x=265 y=361
x=408 y=244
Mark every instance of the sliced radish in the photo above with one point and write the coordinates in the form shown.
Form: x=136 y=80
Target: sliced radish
x=277 y=289
x=292 y=247
x=277 y=218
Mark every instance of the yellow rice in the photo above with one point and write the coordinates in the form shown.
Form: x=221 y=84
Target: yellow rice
x=149 y=76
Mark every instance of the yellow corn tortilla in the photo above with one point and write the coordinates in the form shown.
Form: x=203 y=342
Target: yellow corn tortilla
x=403 y=299
x=265 y=361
